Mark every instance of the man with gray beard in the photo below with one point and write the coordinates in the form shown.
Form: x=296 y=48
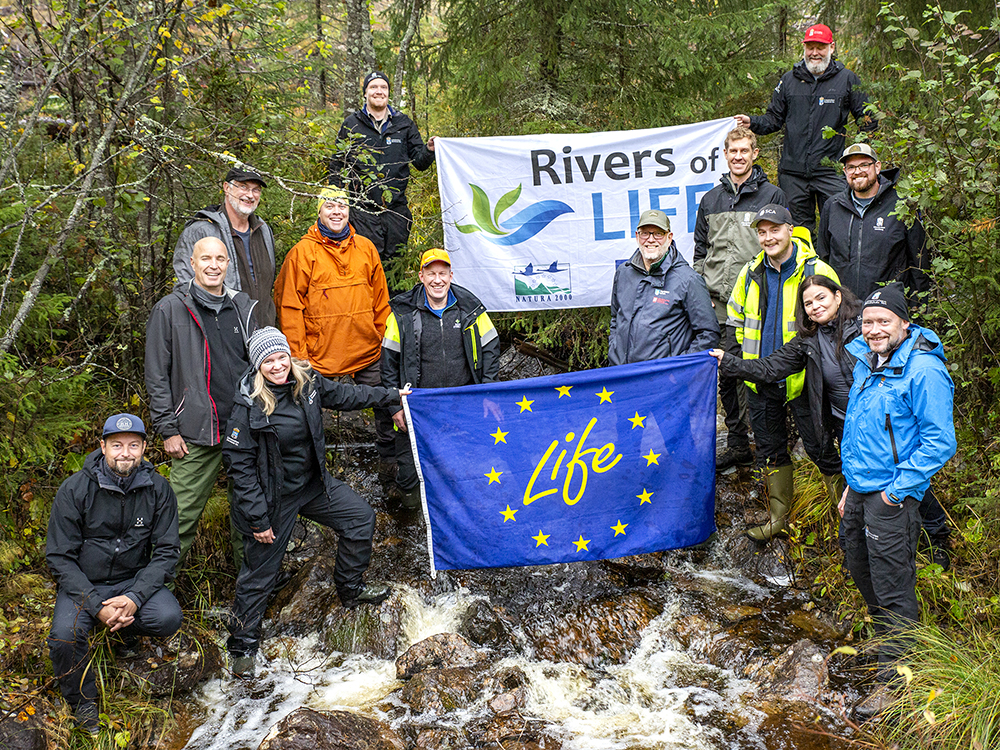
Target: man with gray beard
x=247 y=237
x=817 y=93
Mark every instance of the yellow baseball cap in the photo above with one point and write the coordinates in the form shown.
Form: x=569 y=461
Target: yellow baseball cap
x=434 y=254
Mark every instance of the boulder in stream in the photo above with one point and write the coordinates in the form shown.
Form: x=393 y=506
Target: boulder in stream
x=435 y=652
x=441 y=691
x=511 y=731
x=798 y=675
x=305 y=729
x=482 y=624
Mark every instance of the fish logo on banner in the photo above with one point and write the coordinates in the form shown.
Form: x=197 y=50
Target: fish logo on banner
x=581 y=466
x=524 y=225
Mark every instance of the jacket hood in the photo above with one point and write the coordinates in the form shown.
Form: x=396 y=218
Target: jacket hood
x=887 y=181
x=671 y=260
x=217 y=215
x=93 y=461
x=757 y=178
x=919 y=341
x=802 y=72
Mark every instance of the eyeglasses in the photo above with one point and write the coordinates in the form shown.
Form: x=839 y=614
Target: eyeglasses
x=858 y=167
x=656 y=234
x=242 y=186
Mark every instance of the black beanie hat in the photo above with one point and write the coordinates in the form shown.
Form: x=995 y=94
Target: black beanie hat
x=374 y=75
x=891 y=298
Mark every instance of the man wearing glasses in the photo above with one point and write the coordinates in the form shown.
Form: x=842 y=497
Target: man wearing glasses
x=247 y=237
x=860 y=236
x=659 y=306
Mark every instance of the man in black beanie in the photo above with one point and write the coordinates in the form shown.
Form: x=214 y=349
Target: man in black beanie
x=379 y=211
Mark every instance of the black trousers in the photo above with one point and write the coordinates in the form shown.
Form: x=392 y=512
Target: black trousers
x=769 y=416
x=342 y=510
x=388 y=230
x=806 y=195
x=69 y=640
x=385 y=435
x=881 y=553
x=733 y=394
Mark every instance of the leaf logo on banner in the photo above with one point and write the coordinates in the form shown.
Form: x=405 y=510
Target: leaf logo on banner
x=524 y=225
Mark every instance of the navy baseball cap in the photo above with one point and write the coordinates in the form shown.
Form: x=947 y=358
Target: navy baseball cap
x=124 y=423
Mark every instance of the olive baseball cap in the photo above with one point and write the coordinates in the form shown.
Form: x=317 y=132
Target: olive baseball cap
x=654 y=218
x=858 y=149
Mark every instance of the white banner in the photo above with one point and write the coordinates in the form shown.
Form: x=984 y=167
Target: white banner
x=537 y=222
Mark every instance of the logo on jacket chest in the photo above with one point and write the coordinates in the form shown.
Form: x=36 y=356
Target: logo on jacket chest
x=390 y=141
x=662 y=296
x=879 y=224
x=140 y=523
x=234 y=436
x=826 y=100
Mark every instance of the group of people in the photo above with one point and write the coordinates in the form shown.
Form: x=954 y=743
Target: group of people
x=870 y=395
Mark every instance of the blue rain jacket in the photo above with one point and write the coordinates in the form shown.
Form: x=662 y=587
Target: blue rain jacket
x=899 y=429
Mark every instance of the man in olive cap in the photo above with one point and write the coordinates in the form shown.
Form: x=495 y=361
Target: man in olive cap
x=379 y=210
x=659 y=306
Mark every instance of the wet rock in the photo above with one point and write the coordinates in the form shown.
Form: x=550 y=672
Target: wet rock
x=768 y=561
x=819 y=625
x=507 y=702
x=481 y=624
x=305 y=729
x=731 y=651
x=510 y=689
x=734 y=613
x=176 y=667
x=301 y=606
x=441 y=650
x=592 y=633
x=441 y=739
x=690 y=630
x=638 y=569
x=512 y=732
x=798 y=675
x=24 y=730
x=366 y=629
x=442 y=690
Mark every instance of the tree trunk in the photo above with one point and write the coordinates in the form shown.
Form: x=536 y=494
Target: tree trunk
x=416 y=10
x=359 y=46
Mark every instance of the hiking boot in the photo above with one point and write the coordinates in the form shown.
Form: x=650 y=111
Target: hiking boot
x=410 y=499
x=386 y=472
x=243 y=665
x=88 y=718
x=940 y=556
x=733 y=457
x=877 y=701
x=370 y=593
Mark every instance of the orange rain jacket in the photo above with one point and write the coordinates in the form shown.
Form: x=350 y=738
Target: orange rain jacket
x=333 y=302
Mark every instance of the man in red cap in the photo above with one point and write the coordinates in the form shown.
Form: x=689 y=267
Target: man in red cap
x=818 y=92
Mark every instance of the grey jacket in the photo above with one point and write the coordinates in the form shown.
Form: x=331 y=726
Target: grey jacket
x=179 y=366
x=660 y=313
x=212 y=221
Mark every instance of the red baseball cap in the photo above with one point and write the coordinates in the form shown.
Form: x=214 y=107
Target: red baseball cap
x=819 y=33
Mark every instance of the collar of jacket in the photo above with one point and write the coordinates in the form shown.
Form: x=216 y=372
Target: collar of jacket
x=750 y=185
x=802 y=254
x=413 y=299
x=217 y=214
x=388 y=118
x=886 y=182
x=918 y=339
x=669 y=260
x=144 y=475
x=800 y=71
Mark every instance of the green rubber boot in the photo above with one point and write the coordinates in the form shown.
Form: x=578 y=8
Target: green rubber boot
x=780 y=488
x=835 y=486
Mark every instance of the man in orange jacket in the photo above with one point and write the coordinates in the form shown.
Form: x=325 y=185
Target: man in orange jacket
x=333 y=302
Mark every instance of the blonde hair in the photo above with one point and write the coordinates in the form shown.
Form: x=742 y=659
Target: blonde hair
x=262 y=394
x=741 y=133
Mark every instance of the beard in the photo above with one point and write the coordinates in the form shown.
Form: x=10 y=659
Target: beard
x=238 y=206
x=818 y=68
x=123 y=467
x=653 y=254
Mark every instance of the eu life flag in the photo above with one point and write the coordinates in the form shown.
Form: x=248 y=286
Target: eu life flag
x=583 y=466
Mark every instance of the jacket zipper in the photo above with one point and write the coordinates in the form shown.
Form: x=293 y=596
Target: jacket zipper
x=118 y=541
x=892 y=438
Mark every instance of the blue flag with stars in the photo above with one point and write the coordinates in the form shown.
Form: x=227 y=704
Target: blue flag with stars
x=582 y=466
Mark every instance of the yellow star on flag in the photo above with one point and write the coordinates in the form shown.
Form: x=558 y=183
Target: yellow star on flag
x=619 y=528
x=644 y=497
x=651 y=458
x=563 y=390
x=605 y=395
x=493 y=475
x=525 y=405
x=637 y=421
x=499 y=436
x=541 y=539
x=508 y=515
x=581 y=544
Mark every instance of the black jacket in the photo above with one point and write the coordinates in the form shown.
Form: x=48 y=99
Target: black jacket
x=724 y=241
x=179 y=366
x=867 y=252
x=101 y=535
x=805 y=105
x=663 y=312
x=801 y=351
x=393 y=150
x=400 y=361
x=252 y=455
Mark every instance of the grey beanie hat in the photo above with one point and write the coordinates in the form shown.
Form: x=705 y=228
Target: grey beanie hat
x=263 y=343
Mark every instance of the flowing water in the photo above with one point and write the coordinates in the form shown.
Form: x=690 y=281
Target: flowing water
x=595 y=678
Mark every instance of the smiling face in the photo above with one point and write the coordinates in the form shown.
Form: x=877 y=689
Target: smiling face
x=123 y=452
x=653 y=243
x=821 y=304
x=276 y=367
x=209 y=260
x=334 y=215
x=740 y=155
x=817 y=56
x=776 y=241
x=436 y=278
x=377 y=95
x=242 y=197
x=861 y=172
x=883 y=330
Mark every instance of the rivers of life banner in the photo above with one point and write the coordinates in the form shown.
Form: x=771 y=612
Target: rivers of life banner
x=585 y=465
x=541 y=221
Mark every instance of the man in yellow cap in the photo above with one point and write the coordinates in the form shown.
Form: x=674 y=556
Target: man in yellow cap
x=437 y=336
x=333 y=301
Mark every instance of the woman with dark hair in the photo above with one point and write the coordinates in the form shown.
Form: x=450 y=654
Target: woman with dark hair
x=275 y=454
x=827 y=317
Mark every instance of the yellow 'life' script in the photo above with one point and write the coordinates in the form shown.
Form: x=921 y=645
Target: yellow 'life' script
x=597 y=456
